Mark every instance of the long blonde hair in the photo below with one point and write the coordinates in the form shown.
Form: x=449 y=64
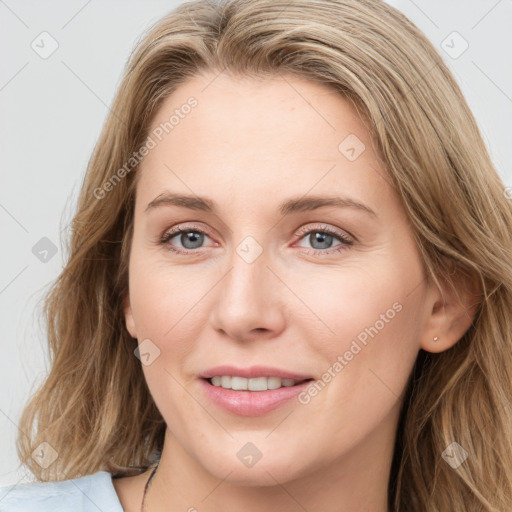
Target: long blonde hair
x=94 y=407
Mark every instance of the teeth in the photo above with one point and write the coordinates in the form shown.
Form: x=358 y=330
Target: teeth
x=239 y=383
x=255 y=384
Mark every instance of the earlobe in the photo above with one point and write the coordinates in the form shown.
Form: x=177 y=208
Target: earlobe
x=451 y=314
x=128 y=318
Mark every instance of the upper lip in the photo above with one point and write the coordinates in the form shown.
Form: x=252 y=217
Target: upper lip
x=253 y=372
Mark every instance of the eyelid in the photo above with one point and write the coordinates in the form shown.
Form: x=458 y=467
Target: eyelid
x=186 y=227
x=179 y=228
x=326 y=228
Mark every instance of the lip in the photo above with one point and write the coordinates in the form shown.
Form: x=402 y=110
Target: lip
x=253 y=372
x=250 y=403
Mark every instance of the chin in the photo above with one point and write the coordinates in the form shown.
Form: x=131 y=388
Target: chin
x=267 y=471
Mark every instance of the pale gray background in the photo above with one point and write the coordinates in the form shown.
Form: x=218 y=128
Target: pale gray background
x=52 y=111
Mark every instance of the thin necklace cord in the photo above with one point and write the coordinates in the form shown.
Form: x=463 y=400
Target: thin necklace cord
x=146 y=487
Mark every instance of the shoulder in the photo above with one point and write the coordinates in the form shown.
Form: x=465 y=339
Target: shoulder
x=85 y=494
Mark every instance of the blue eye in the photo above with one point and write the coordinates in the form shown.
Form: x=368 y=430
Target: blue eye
x=324 y=237
x=192 y=240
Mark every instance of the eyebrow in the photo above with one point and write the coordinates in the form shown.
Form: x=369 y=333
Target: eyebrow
x=292 y=205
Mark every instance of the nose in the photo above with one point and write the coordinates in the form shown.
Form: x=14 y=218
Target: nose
x=250 y=298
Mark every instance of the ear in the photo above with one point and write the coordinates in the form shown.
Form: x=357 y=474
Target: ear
x=452 y=309
x=128 y=317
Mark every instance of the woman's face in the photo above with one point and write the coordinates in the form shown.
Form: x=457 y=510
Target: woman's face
x=278 y=269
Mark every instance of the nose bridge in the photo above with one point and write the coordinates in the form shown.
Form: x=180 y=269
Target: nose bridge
x=248 y=263
x=246 y=298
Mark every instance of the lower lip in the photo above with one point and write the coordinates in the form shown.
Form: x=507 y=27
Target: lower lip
x=251 y=403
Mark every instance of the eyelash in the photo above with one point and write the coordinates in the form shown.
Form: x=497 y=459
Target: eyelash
x=301 y=233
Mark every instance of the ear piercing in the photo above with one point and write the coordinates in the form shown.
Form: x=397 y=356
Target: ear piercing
x=436 y=338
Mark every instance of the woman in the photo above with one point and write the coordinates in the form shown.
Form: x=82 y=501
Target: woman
x=289 y=284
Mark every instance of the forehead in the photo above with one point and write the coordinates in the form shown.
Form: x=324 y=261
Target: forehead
x=253 y=135
x=258 y=109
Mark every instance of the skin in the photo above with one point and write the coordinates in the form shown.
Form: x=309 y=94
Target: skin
x=289 y=308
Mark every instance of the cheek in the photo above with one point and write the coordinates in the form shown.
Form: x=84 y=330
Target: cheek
x=164 y=297
x=365 y=330
x=364 y=367
x=354 y=301
x=168 y=306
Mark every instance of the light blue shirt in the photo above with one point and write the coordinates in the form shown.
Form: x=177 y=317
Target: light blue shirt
x=90 y=493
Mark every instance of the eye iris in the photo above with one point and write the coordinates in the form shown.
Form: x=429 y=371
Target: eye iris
x=191 y=236
x=324 y=238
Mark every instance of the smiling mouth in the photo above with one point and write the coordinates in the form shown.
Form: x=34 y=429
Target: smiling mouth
x=236 y=383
